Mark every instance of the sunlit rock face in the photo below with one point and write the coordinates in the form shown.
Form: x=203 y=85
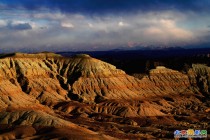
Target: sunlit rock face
x=48 y=90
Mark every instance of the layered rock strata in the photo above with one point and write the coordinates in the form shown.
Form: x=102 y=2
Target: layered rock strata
x=51 y=90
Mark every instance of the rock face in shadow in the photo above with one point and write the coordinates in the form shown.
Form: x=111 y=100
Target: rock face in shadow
x=201 y=77
x=47 y=91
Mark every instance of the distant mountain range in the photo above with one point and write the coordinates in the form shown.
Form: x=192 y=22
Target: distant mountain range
x=147 y=48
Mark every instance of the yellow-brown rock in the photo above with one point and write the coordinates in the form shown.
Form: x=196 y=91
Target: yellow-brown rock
x=70 y=98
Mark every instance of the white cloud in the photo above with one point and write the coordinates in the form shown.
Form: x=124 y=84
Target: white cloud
x=50 y=16
x=3 y=23
x=120 y=23
x=90 y=25
x=168 y=32
x=67 y=25
x=108 y=30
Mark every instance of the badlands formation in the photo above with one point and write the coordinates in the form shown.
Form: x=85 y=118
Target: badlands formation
x=47 y=96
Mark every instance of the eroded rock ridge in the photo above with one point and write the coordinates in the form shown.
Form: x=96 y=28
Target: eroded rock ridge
x=48 y=90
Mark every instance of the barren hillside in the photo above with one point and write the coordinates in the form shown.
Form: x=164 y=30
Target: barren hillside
x=46 y=96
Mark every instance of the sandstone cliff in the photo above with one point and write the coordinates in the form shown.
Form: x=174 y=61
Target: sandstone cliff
x=49 y=79
x=51 y=90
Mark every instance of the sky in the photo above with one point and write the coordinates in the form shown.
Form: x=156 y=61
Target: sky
x=89 y=25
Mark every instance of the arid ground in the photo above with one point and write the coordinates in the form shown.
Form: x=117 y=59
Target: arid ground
x=48 y=96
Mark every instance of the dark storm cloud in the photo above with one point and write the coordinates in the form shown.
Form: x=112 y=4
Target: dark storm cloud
x=19 y=26
x=104 y=6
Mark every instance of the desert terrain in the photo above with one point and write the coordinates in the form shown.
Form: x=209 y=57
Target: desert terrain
x=50 y=96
